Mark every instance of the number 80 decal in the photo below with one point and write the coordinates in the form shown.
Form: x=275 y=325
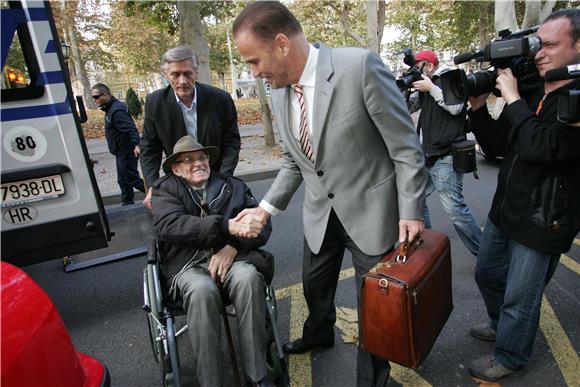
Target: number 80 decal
x=25 y=143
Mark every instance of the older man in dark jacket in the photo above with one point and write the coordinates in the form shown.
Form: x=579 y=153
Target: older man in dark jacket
x=193 y=211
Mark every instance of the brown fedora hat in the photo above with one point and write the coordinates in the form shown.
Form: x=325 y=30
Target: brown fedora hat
x=188 y=144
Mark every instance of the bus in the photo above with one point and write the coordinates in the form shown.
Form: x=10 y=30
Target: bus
x=50 y=202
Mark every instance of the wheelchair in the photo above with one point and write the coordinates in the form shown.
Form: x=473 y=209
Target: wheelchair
x=161 y=312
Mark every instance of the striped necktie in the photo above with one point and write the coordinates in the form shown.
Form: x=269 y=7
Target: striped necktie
x=303 y=131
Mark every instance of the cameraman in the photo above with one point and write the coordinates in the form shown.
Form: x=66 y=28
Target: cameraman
x=535 y=212
x=442 y=125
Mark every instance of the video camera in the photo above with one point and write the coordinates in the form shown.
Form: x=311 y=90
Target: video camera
x=511 y=50
x=410 y=76
x=568 y=100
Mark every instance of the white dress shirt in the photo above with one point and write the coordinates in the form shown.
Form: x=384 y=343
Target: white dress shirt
x=189 y=114
x=308 y=81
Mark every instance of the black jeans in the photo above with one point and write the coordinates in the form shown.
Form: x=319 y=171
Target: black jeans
x=128 y=177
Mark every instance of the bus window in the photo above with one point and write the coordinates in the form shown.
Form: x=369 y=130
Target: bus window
x=19 y=66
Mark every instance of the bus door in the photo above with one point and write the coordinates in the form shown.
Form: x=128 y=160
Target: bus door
x=50 y=203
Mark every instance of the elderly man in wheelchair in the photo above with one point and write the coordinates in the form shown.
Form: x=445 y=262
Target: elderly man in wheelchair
x=203 y=259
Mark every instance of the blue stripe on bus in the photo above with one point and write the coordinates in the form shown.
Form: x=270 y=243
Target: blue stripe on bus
x=29 y=112
x=50 y=77
x=10 y=18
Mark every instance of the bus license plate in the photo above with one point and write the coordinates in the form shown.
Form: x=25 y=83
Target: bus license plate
x=33 y=190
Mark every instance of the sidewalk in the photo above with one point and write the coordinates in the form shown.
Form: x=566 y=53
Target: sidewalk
x=257 y=162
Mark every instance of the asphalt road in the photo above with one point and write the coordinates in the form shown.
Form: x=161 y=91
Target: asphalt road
x=101 y=307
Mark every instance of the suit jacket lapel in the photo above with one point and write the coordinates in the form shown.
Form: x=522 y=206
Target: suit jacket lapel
x=323 y=90
x=173 y=110
x=202 y=112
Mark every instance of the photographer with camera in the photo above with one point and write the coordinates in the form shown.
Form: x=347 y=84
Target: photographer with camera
x=535 y=213
x=442 y=125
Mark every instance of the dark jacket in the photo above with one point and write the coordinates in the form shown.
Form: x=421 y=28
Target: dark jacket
x=217 y=125
x=440 y=128
x=120 y=130
x=180 y=229
x=537 y=200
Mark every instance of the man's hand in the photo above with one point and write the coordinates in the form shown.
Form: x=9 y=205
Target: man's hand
x=147 y=201
x=247 y=227
x=137 y=151
x=508 y=85
x=254 y=218
x=221 y=262
x=478 y=101
x=413 y=226
x=424 y=85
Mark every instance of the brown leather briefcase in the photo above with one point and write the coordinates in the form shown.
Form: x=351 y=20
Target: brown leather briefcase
x=406 y=300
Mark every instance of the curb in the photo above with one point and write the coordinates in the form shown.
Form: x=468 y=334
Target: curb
x=114 y=198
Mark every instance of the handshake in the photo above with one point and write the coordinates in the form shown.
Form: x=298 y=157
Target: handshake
x=249 y=222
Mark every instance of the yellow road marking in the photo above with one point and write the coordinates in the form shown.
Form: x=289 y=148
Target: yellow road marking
x=407 y=377
x=570 y=263
x=559 y=344
x=577 y=241
x=300 y=366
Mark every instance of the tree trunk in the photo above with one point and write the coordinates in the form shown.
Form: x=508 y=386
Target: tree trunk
x=483 y=23
x=266 y=116
x=222 y=80
x=547 y=9
x=233 y=71
x=81 y=74
x=343 y=10
x=192 y=34
x=532 y=14
x=505 y=16
x=375 y=24
x=372 y=27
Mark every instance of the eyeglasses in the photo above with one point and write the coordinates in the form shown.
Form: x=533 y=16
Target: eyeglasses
x=190 y=160
x=96 y=97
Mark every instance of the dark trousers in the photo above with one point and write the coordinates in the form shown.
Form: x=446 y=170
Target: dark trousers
x=128 y=177
x=320 y=277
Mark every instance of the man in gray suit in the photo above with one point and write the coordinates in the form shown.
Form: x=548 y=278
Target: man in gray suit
x=347 y=134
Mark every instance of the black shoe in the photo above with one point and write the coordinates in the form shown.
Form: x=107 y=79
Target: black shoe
x=299 y=346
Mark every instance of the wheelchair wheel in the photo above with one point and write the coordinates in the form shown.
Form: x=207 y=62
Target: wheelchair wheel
x=156 y=330
x=171 y=368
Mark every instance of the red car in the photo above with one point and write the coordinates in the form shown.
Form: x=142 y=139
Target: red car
x=36 y=347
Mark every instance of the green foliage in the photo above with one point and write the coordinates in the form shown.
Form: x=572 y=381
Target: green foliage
x=133 y=103
x=136 y=42
x=320 y=21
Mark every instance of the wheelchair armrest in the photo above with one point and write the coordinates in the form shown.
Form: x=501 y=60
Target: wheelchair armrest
x=151 y=251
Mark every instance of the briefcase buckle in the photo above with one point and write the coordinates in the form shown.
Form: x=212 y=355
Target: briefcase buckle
x=384 y=284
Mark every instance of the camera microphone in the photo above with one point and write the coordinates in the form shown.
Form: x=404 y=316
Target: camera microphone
x=568 y=72
x=466 y=57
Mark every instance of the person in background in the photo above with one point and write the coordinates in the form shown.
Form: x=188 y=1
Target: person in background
x=123 y=141
x=441 y=125
x=187 y=107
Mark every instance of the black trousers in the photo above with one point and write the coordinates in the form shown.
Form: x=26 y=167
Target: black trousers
x=128 y=177
x=320 y=277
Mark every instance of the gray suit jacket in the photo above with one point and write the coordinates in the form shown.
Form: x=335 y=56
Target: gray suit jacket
x=369 y=163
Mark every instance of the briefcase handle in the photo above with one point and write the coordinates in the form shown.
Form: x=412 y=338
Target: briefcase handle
x=406 y=248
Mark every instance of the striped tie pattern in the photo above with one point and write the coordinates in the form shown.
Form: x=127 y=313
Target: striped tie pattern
x=303 y=132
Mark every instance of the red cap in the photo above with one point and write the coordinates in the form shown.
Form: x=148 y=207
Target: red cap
x=427 y=55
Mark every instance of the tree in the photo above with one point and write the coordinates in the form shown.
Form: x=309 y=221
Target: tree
x=136 y=43
x=133 y=103
x=79 y=25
